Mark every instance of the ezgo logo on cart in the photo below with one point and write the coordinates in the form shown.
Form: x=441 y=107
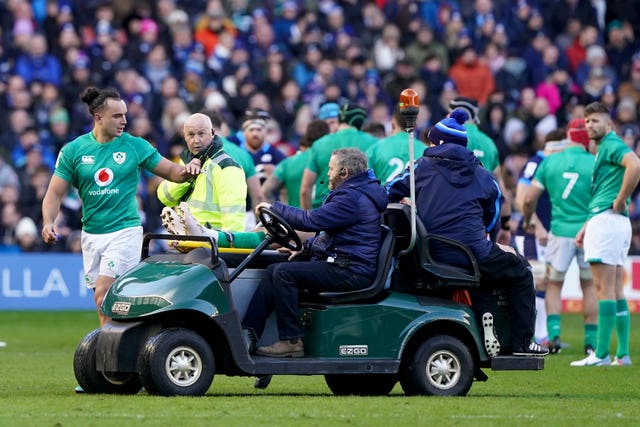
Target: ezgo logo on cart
x=121 y=308
x=353 y=350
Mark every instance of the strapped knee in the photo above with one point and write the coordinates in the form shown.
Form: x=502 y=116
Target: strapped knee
x=585 y=274
x=538 y=269
x=555 y=275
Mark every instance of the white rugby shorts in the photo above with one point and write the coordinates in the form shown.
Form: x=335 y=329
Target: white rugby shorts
x=607 y=238
x=561 y=250
x=110 y=254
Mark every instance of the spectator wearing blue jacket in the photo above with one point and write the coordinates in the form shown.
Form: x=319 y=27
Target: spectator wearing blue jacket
x=457 y=198
x=343 y=253
x=38 y=64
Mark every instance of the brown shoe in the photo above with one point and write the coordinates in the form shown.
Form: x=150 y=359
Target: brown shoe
x=283 y=348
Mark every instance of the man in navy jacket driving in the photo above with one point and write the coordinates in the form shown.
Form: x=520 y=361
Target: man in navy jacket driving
x=343 y=252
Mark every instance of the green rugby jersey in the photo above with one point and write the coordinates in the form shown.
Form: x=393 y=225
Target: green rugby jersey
x=289 y=172
x=242 y=157
x=483 y=147
x=320 y=153
x=607 y=173
x=390 y=156
x=107 y=176
x=566 y=176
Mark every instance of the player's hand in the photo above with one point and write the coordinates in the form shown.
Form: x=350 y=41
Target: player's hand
x=541 y=234
x=580 y=236
x=192 y=168
x=268 y=169
x=503 y=237
x=50 y=234
x=619 y=206
x=507 y=248
x=262 y=205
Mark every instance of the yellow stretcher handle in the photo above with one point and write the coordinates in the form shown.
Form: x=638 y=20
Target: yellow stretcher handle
x=187 y=246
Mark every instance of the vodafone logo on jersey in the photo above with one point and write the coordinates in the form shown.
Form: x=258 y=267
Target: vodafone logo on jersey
x=103 y=177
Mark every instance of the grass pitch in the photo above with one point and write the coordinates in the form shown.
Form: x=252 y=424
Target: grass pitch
x=37 y=381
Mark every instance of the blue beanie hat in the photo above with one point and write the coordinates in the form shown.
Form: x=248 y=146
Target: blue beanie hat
x=330 y=110
x=450 y=129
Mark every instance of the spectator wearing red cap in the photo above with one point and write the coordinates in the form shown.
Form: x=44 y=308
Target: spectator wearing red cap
x=566 y=177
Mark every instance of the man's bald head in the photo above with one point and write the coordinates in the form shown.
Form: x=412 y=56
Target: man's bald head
x=199 y=119
x=198 y=132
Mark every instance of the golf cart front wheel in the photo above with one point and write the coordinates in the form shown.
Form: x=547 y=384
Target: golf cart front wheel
x=361 y=384
x=93 y=381
x=442 y=366
x=177 y=362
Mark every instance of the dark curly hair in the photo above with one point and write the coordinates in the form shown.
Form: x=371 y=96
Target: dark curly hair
x=96 y=98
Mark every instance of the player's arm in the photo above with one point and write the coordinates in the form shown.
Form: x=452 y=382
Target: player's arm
x=270 y=188
x=177 y=173
x=306 y=188
x=504 y=233
x=631 y=164
x=255 y=192
x=529 y=203
x=521 y=192
x=56 y=191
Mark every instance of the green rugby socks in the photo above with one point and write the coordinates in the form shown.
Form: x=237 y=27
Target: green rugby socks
x=606 y=323
x=623 y=321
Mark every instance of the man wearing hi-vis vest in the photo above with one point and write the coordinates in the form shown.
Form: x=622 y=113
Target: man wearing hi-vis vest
x=217 y=197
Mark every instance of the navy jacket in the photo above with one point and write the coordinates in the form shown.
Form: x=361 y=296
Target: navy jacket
x=349 y=219
x=455 y=197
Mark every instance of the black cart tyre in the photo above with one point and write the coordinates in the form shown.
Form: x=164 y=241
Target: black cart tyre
x=177 y=362
x=361 y=384
x=407 y=383
x=442 y=366
x=93 y=381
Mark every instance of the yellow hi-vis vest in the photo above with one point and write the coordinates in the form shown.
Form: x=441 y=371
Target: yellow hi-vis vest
x=217 y=197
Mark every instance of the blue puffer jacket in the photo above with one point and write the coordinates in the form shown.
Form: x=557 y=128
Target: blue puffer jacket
x=349 y=220
x=456 y=198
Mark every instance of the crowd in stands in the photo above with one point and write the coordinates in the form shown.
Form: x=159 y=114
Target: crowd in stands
x=532 y=65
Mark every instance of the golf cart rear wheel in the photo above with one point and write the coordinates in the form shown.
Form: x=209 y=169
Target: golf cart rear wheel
x=442 y=366
x=93 y=381
x=361 y=384
x=177 y=362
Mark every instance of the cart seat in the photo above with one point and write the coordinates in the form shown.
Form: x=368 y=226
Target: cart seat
x=377 y=287
x=420 y=263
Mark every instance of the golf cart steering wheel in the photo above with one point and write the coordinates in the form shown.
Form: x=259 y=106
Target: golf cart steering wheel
x=281 y=232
